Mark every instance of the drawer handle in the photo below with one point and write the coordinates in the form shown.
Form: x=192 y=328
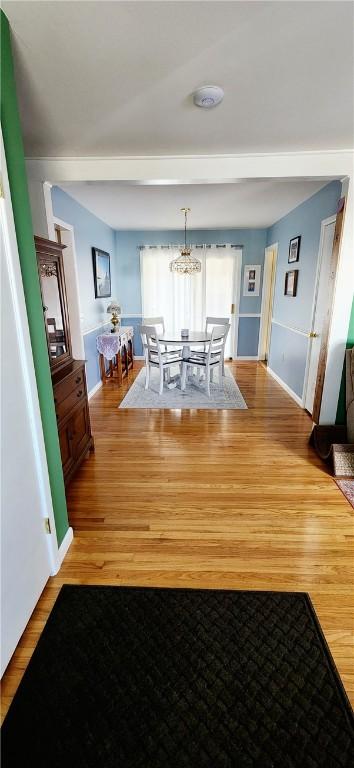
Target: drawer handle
x=78 y=379
x=79 y=393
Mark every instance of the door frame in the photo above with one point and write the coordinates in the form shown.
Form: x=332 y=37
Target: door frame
x=56 y=553
x=324 y=223
x=269 y=278
x=72 y=286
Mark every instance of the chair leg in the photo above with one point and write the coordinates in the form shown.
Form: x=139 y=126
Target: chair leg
x=223 y=367
x=161 y=381
x=184 y=376
x=147 y=376
x=220 y=374
x=207 y=380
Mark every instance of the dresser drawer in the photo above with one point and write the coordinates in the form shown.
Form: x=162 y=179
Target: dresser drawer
x=75 y=397
x=76 y=380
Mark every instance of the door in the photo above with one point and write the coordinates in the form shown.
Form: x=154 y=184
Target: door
x=25 y=557
x=270 y=265
x=320 y=307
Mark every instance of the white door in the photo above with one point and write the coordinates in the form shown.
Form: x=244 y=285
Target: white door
x=25 y=554
x=222 y=287
x=320 y=307
x=270 y=264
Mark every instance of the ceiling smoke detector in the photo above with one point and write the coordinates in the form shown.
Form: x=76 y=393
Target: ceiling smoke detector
x=208 y=96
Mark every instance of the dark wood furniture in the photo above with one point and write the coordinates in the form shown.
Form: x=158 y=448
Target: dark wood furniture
x=68 y=375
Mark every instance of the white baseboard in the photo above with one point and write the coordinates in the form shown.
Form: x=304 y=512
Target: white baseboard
x=65 y=544
x=94 y=389
x=246 y=357
x=287 y=389
x=139 y=357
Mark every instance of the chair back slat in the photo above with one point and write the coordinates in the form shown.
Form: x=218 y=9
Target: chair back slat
x=216 y=321
x=150 y=341
x=157 y=322
x=216 y=345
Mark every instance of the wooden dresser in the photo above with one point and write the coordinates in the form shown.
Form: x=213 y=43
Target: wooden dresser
x=68 y=375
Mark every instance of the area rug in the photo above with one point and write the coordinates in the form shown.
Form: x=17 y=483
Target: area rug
x=347 y=488
x=226 y=397
x=126 y=677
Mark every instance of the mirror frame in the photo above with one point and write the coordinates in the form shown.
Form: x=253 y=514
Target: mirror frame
x=48 y=251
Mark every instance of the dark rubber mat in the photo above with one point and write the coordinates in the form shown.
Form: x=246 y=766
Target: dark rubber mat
x=154 y=678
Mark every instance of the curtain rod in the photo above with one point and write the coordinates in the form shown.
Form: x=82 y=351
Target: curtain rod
x=196 y=246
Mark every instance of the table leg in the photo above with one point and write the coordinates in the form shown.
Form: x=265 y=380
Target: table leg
x=102 y=369
x=119 y=368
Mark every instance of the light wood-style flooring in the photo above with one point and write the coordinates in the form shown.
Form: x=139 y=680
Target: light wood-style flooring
x=232 y=499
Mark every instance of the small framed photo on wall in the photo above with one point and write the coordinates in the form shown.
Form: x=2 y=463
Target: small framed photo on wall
x=251 y=280
x=291 y=278
x=294 y=249
x=101 y=273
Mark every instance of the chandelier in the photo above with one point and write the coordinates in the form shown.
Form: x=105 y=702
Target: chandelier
x=185 y=264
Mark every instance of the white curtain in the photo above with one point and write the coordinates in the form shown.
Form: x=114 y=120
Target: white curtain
x=185 y=300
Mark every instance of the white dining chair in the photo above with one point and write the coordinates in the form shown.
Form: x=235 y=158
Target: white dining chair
x=155 y=354
x=210 y=322
x=209 y=360
x=159 y=325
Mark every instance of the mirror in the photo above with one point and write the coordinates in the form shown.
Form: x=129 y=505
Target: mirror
x=53 y=310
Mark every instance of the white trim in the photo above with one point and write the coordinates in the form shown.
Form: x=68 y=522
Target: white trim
x=71 y=273
x=324 y=223
x=187 y=169
x=246 y=357
x=287 y=389
x=249 y=314
x=48 y=206
x=139 y=357
x=291 y=328
x=24 y=340
x=237 y=297
x=65 y=544
x=95 y=328
x=267 y=304
x=94 y=389
x=134 y=314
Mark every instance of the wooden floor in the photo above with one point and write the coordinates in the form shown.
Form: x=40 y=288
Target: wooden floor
x=232 y=499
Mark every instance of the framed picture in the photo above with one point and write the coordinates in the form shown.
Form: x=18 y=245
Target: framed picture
x=294 y=249
x=251 y=279
x=101 y=273
x=291 y=282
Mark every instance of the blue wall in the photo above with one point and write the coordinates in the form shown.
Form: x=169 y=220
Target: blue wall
x=288 y=350
x=89 y=232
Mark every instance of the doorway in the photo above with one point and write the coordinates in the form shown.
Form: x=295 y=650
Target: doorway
x=320 y=308
x=270 y=266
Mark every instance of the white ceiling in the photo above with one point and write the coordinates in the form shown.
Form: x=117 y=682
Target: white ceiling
x=115 y=78
x=246 y=204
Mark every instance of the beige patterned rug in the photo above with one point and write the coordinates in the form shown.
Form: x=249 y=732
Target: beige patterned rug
x=347 y=488
x=226 y=397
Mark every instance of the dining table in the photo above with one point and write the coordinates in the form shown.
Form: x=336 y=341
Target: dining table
x=177 y=339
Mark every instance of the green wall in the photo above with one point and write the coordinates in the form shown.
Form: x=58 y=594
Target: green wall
x=11 y=129
x=341 y=411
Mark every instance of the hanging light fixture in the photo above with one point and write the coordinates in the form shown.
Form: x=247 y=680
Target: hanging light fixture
x=185 y=264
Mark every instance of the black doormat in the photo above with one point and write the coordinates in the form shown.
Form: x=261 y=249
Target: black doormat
x=181 y=678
